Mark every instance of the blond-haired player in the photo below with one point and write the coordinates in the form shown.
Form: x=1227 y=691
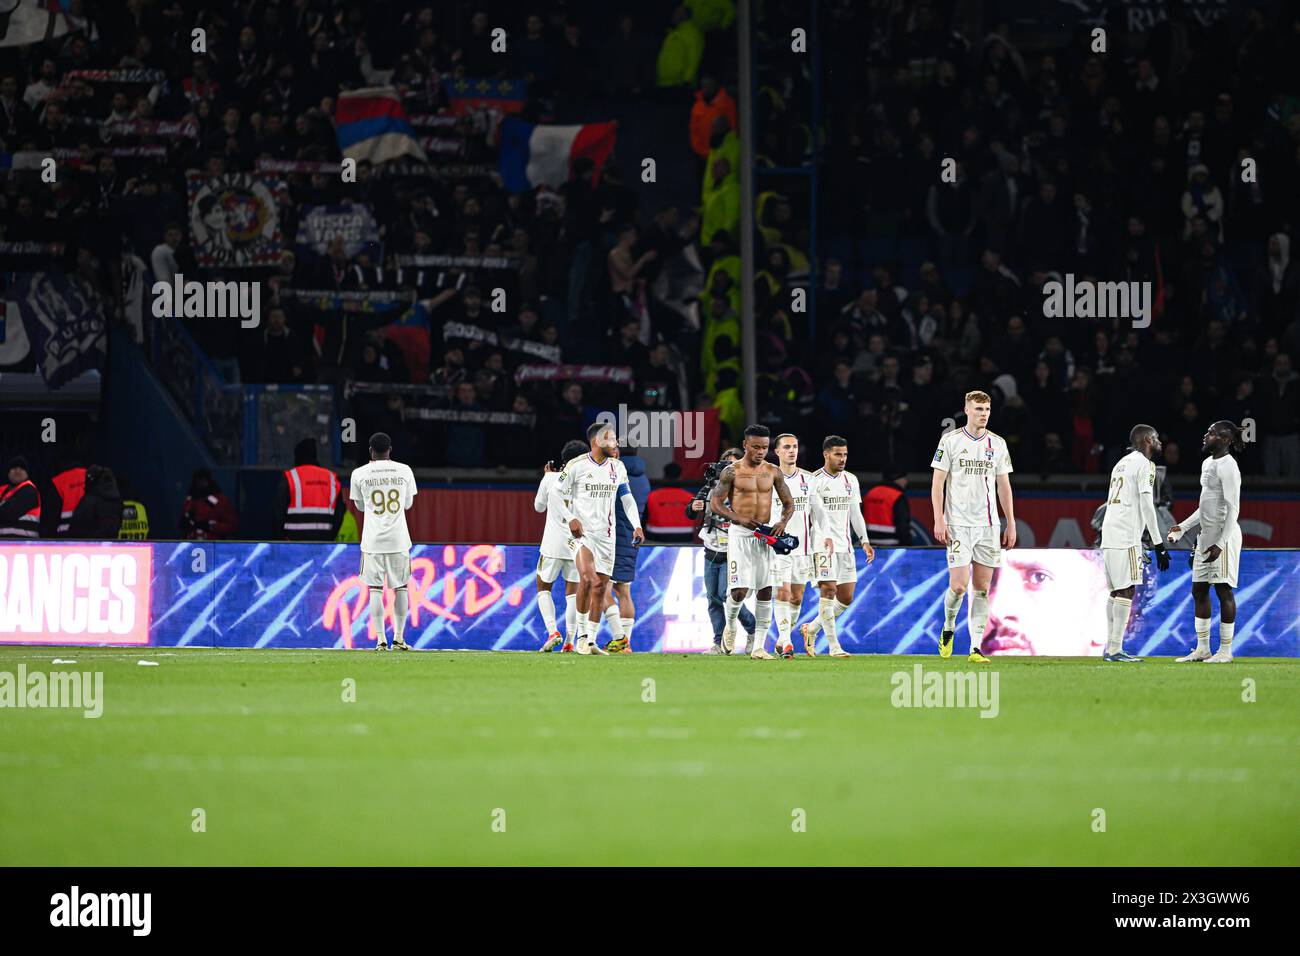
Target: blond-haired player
x=971 y=469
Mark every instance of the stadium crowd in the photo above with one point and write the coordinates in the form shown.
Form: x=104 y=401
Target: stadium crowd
x=1118 y=166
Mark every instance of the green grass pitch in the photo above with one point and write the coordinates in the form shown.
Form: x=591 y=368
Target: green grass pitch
x=713 y=771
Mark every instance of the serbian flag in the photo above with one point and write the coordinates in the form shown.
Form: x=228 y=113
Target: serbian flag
x=371 y=125
x=534 y=155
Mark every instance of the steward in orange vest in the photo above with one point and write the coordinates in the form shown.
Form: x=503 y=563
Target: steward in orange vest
x=309 y=504
x=71 y=485
x=665 y=514
x=889 y=517
x=20 y=503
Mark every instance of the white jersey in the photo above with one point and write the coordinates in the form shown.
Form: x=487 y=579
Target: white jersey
x=800 y=524
x=1220 y=501
x=592 y=490
x=973 y=465
x=383 y=491
x=840 y=496
x=1130 y=503
x=556 y=534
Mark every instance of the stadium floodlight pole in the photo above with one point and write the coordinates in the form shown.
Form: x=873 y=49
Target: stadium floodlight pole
x=748 y=358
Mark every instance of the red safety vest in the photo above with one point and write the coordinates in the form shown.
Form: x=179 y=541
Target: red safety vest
x=71 y=486
x=313 y=494
x=665 y=512
x=28 y=525
x=878 y=508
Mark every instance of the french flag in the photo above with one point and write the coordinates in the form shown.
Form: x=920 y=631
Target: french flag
x=533 y=155
x=371 y=125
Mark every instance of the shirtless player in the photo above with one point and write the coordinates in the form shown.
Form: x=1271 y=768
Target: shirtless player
x=748 y=485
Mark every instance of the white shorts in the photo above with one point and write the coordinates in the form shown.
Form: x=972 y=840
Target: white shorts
x=980 y=543
x=1224 y=570
x=1123 y=567
x=840 y=567
x=749 y=562
x=602 y=551
x=791 y=569
x=395 y=566
x=548 y=569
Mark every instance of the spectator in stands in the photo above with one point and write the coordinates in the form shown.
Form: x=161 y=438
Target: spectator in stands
x=1281 y=419
x=624 y=270
x=711 y=101
x=281 y=355
x=98 y=515
x=682 y=50
x=206 y=514
x=466 y=441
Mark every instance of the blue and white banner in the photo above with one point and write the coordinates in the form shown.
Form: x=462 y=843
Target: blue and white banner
x=355 y=224
x=211 y=594
x=62 y=320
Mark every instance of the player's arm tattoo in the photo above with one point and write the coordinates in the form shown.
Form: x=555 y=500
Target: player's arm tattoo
x=722 y=493
x=783 y=492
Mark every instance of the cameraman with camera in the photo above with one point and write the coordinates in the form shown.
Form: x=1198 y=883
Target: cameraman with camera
x=713 y=535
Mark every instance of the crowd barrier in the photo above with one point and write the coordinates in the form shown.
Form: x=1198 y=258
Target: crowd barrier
x=214 y=594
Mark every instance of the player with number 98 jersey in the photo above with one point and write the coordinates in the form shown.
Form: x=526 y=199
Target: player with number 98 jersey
x=383 y=490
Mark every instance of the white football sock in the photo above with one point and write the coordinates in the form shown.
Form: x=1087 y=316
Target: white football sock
x=1117 y=609
x=826 y=615
x=546 y=604
x=762 y=624
x=614 y=621
x=377 y=613
x=1203 y=634
x=839 y=608
x=784 y=619
x=951 y=605
x=1225 y=635
x=401 y=604
x=979 y=618
x=570 y=619
x=733 y=610
x=627 y=623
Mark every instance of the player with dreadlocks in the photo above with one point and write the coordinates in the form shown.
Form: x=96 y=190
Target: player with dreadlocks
x=1218 y=551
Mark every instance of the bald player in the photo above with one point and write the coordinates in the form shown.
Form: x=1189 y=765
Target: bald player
x=1130 y=510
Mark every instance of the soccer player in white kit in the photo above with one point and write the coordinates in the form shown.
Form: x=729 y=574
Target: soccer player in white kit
x=1218 y=550
x=837 y=508
x=1130 y=510
x=790 y=572
x=583 y=496
x=556 y=557
x=972 y=465
x=383 y=491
